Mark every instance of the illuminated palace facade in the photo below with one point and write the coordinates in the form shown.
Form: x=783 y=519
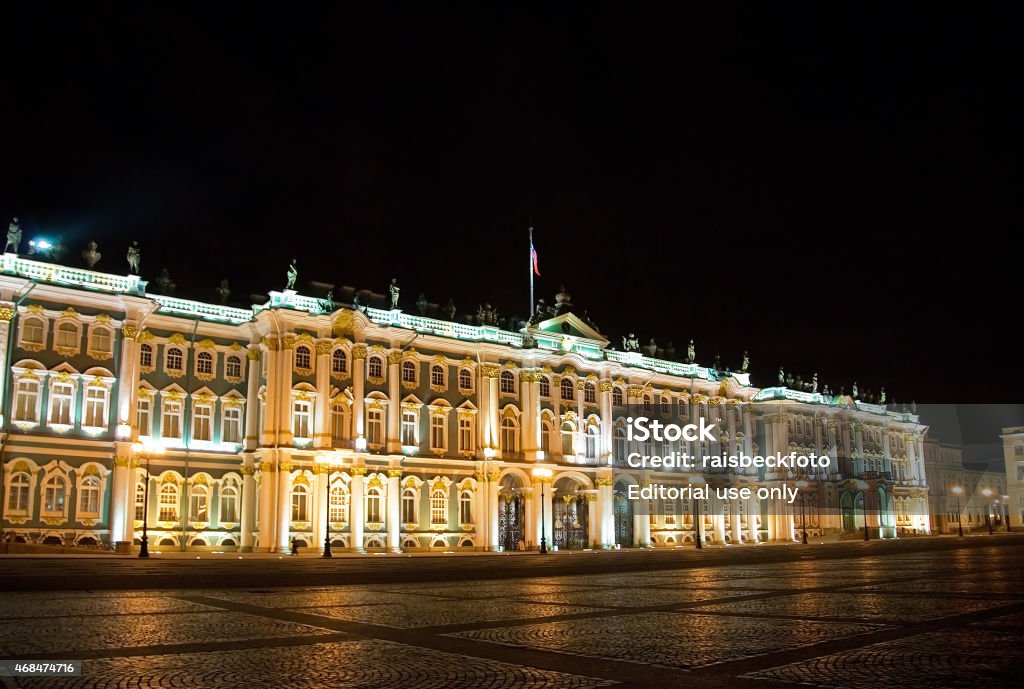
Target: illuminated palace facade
x=227 y=428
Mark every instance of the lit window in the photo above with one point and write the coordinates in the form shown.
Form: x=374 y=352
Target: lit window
x=174 y=359
x=648 y=403
x=95 y=407
x=101 y=340
x=568 y=390
x=545 y=436
x=204 y=363
x=374 y=515
x=592 y=441
x=302 y=357
x=408 y=427
x=170 y=426
x=140 y=502
x=408 y=372
x=466 y=508
x=233 y=367
x=32 y=331
x=300 y=503
x=61 y=397
x=338 y=507
x=202 y=422
x=409 y=506
x=339 y=424
x=568 y=431
x=617 y=396
x=145 y=418
x=199 y=509
x=375 y=367
x=508 y=381
x=54 y=492
x=26 y=405
x=339 y=362
x=375 y=427
x=302 y=418
x=589 y=393
x=438 y=433
x=67 y=336
x=509 y=436
x=545 y=386
x=231 y=432
x=17 y=493
x=228 y=504
x=146 y=356
x=620 y=443
x=438 y=507
x=466 y=434
x=169 y=503
x=437 y=375
x=465 y=380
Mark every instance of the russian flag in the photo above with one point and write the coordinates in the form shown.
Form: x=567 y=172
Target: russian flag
x=533 y=255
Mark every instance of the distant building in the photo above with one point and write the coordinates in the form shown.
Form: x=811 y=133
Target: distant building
x=301 y=418
x=1013 y=457
x=945 y=471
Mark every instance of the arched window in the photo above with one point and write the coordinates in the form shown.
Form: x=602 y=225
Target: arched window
x=146 y=356
x=339 y=361
x=593 y=435
x=174 y=359
x=17 y=493
x=508 y=381
x=300 y=503
x=568 y=431
x=648 y=403
x=545 y=436
x=233 y=367
x=140 y=501
x=374 y=498
x=32 y=331
x=437 y=375
x=199 y=508
x=620 y=442
x=375 y=367
x=409 y=515
x=26 y=404
x=89 y=496
x=408 y=371
x=374 y=427
x=545 y=386
x=438 y=507
x=509 y=435
x=338 y=507
x=339 y=423
x=169 y=503
x=101 y=340
x=204 y=364
x=617 y=396
x=303 y=357
x=465 y=507
x=229 y=504
x=589 y=393
x=465 y=380
x=568 y=390
x=54 y=493
x=67 y=335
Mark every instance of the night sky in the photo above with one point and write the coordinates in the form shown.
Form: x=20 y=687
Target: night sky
x=833 y=192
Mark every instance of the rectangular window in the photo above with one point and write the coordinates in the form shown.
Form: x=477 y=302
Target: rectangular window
x=89 y=497
x=61 y=396
x=375 y=427
x=67 y=336
x=232 y=430
x=339 y=417
x=409 y=507
x=32 y=331
x=145 y=418
x=101 y=340
x=170 y=426
x=302 y=418
x=438 y=508
x=466 y=508
x=140 y=502
x=409 y=428
x=200 y=507
x=95 y=407
x=202 y=423
x=437 y=433
x=466 y=434
x=25 y=409
x=229 y=505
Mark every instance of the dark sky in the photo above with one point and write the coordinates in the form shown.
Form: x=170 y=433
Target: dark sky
x=833 y=192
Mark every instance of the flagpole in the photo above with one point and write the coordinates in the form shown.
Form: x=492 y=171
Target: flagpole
x=529 y=311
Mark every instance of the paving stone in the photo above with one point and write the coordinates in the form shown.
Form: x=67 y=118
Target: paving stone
x=18 y=606
x=433 y=613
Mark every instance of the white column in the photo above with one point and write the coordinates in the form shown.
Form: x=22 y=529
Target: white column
x=642 y=524
x=284 y=489
x=268 y=438
x=753 y=512
x=286 y=361
x=252 y=399
x=358 y=391
x=528 y=436
x=493 y=487
x=268 y=508
x=911 y=457
x=394 y=440
x=394 y=523
x=734 y=522
x=355 y=526
x=717 y=519
x=580 y=445
x=322 y=418
x=493 y=406
x=127 y=375
x=119 y=490
x=320 y=518
x=606 y=508
x=529 y=518
x=605 y=409
x=248 y=503
x=7 y=312
x=481 y=500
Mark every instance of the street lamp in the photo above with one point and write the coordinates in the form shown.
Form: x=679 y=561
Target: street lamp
x=697 y=481
x=1006 y=511
x=329 y=461
x=988 y=505
x=957 y=490
x=147 y=450
x=543 y=474
x=803 y=513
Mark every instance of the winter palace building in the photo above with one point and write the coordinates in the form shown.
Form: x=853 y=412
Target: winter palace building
x=230 y=428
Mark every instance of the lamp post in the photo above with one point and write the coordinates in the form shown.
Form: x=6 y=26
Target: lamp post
x=988 y=509
x=803 y=513
x=329 y=461
x=957 y=490
x=1006 y=511
x=697 y=481
x=147 y=451
x=864 y=509
x=543 y=474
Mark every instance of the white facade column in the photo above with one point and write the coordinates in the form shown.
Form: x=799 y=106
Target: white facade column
x=268 y=438
x=7 y=313
x=886 y=453
x=247 y=525
x=858 y=443
x=268 y=508
x=833 y=449
x=394 y=522
x=121 y=487
x=606 y=508
x=252 y=399
x=717 y=518
x=127 y=377
x=481 y=501
x=527 y=429
x=919 y=456
x=358 y=394
x=493 y=487
x=284 y=513
x=322 y=418
x=529 y=518
x=604 y=400
x=642 y=522
x=320 y=516
x=753 y=514
x=491 y=377
x=542 y=489
x=355 y=527
x=579 y=440
x=736 y=529
x=911 y=458
x=286 y=362
x=394 y=411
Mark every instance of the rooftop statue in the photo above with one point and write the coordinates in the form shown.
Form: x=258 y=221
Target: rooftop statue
x=394 y=290
x=691 y=353
x=670 y=350
x=90 y=254
x=449 y=309
x=224 y=291
x=782 y=376
x=651 y=348
x=293 y=275
x=164 y=282
x=134 y=256
x=718 y=362
x=486 y=314
x=13 y=236
x=854 y=392
x=631 y=343
x=745 y=366
x=421 y=304
x=881 y=396
x=327 y=303
x=814 y=382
